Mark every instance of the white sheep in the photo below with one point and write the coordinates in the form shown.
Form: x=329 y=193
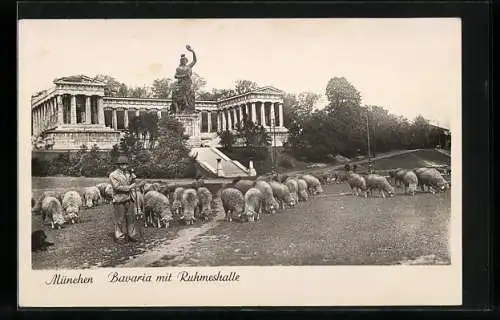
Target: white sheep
x=177 y=201
x=205 y=203
x=269 y=202
x=313 y=184
x=293 y=187
x=281 y=194
x=357 y=183
x=72 y=201
x=157 y=209
x=432 y=178
x=51 y=208
x=375 y=181
x=91 y=196
x=233 y=202
x=410 y=181
x=253 y=204
x=302 y=190
x=189 y=205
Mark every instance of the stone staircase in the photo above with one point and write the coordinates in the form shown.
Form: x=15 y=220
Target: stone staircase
x=207 y=159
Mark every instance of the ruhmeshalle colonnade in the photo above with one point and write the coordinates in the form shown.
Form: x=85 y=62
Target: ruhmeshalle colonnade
x=76 y=112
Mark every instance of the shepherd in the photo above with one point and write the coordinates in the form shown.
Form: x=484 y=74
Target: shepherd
x=124 y=214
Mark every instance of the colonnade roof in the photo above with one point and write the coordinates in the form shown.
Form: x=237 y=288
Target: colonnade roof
x=79 y=80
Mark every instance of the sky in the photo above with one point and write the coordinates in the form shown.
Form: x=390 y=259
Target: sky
x=408 y=66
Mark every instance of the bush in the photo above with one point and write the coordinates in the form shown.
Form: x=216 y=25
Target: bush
x=285 y=163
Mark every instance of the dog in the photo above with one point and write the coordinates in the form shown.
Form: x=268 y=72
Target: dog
x=39 y=241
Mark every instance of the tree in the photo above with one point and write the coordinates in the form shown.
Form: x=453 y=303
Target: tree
x=113 y=88
x=227 y=140
x=198 y=83
x=244 y=86
x=341 y=92
x=216 y=94
x=170 y=154
x=139 y=92
x=252 y=134
x=162 y=88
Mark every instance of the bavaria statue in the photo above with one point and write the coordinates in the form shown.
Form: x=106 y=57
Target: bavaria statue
x=183 y=93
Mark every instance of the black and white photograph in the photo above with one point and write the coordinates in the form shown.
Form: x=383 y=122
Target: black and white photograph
x=199 y=150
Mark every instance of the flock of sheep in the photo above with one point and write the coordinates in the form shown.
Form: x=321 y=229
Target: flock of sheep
x=158 y=205
x=425 y=178
x=244 y=200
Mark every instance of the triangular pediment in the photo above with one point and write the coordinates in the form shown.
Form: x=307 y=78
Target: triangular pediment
x=268 y=89
x=78 y=79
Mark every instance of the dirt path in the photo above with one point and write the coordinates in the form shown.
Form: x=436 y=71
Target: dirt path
x=177 y=248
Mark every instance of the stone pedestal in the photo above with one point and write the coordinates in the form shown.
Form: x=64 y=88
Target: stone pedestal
x=192 y=127
x=72 y=137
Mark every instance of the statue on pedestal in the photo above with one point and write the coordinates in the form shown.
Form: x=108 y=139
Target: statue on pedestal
x=183 y=93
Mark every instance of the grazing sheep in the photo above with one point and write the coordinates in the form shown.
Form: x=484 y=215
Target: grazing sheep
x=410 y=181
x=269 y=202
x=177 y=202
x=432 y=178
x=72 y=201
x=38 y=206
x=313 y=184
x=91 y=197
x=108 y=193
x=397 y=175
x=253 y=204
x=244 y=185
x=51 y=208
x=281 y=194
x=157 y=209
x=39 y=241
x=375 y=181
x=190 y=205
x=205 y=203
x=302 y=190
x=102 y=190
x=105 y=194
x=357 y=183
x=233 y=202
x=293 y=187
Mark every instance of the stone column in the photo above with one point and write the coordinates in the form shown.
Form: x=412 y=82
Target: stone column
x=114 y=120
x=263 y=113
x=280 y=113
x=254 y=116
x=158 y=113
x=125 y=118
x=88 y=119
x=33 y=115
x=241 y=112
x=224 y=123
x=59 y=104
x=137 y=113
x=271 y=111
x=100 y=111
x=209 y=121
x=229 y=120
x=73 y=109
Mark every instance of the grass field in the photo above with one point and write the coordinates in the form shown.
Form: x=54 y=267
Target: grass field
x=333 y=229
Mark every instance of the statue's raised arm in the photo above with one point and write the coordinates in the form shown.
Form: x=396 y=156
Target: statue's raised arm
x=194 y=56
